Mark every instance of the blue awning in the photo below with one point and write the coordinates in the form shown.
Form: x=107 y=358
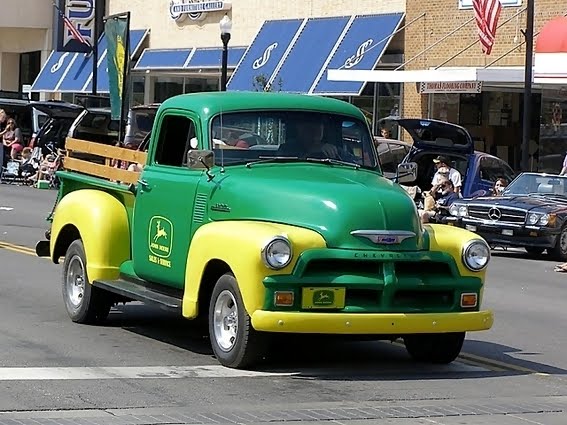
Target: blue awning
x=265 y=53
x=309 y=53
x=72 y=72
x=361 y=48
x=211 y=57
x=163 y=59
x=52 y=72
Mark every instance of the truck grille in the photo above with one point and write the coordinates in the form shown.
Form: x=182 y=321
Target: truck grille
x=506 y=215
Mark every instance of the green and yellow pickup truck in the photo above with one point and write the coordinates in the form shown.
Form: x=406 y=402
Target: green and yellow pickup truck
x=263 y=214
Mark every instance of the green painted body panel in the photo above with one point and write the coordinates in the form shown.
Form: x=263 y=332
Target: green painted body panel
x=333 y=200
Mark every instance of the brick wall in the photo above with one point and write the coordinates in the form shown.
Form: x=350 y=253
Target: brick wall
x=247 y=17
x=443 y=16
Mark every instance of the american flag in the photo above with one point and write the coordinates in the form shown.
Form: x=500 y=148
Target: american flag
x=75 y=33
x=487 y=13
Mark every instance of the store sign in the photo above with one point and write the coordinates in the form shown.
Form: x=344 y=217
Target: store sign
x=196 y=10
x=450 y=87
x=84 y=15
x=468 y=4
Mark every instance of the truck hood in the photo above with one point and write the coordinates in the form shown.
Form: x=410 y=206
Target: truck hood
x=331 y=200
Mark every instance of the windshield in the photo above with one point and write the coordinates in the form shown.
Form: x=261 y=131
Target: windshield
x=529 y=184
x=243 y=137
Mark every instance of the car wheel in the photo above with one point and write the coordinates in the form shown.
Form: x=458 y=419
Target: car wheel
x=234 y=341
x=533 y=250
x=84 y=303
x=559 y=252
x=435 y=348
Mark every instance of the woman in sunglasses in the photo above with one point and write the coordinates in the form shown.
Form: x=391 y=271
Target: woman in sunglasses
x=12 y=138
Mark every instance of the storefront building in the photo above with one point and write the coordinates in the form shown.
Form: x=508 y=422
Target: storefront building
x=25 y=42
x=176 y=48
x=446 y=37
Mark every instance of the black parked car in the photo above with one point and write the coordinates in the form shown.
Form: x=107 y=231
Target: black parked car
x=531 y=213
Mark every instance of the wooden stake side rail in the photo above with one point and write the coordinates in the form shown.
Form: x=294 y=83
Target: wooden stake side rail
x=109 y=153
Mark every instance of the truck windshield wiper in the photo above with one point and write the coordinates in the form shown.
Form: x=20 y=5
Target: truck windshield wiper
x=268 y=159
x=333 y=162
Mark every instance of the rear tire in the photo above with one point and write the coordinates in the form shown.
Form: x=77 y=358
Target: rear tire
x=235 y=343
x=85 y=304
x=435 y=348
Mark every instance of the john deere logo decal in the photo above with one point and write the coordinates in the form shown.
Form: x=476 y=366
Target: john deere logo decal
x=323 y=297
x=160 y=236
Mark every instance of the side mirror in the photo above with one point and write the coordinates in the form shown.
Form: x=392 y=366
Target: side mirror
x=200 y=159
x=407 y=172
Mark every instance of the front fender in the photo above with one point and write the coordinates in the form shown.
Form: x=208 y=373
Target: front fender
x=102 y=223
x=239 y=244
x=451 y=240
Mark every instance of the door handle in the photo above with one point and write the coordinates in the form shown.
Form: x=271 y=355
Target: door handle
x=144 y=184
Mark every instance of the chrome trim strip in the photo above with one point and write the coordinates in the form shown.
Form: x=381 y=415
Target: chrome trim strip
x=384 y=237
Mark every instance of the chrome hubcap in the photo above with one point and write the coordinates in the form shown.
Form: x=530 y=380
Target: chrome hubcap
x=75 y=281
x=225 y=321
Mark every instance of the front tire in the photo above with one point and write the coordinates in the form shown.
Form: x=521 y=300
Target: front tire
x=559 y=251
x=235 y=343
x=435 y=348
x=85 y=304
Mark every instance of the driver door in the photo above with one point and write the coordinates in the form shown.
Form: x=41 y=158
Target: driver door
x=164 y=203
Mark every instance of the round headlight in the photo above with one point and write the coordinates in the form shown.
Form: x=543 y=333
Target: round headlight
x=454 y=210
x=476 y=255
x=533 y=218
x=463 y=210
x=544 y=220
x=277 y=253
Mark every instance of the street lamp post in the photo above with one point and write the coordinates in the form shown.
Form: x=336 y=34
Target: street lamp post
x=225 y=28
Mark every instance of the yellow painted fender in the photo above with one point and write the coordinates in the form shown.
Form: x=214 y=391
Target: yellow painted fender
x=239 y=244
x=102 y=222
x=451 y=240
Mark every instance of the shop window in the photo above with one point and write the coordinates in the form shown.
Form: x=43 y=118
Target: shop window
x=30 y=66
x=388 y=104
x=552 y=130
x=470 y=109
x=445 y=107
x=138 y=89
x=166 y=87
x=175 y=135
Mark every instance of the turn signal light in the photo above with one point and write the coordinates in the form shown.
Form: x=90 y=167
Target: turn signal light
x=283 y=298
x=469 y=300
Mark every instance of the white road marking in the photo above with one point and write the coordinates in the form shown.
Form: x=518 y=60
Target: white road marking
x=150 y=372
x=6 y=208
x=184 y=372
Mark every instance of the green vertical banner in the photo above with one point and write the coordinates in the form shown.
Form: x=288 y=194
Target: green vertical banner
x=116 y=30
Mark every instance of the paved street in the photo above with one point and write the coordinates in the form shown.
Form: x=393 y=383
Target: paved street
x=145 y=367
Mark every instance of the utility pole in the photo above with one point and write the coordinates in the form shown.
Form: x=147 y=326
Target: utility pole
x=528 y=77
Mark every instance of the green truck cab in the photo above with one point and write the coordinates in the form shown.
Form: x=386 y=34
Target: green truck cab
x=263 y=214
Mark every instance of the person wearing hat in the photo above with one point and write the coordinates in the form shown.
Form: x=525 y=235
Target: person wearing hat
x=444 y=170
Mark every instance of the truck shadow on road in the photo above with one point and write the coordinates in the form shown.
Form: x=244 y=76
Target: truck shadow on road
x=331 y=358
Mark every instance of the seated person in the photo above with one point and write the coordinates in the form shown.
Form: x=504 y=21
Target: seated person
x=309 y=143
x=28 y=164
x=442 y=203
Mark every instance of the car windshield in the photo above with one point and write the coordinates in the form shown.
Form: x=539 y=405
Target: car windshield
x=244 y=137
x=538 y=184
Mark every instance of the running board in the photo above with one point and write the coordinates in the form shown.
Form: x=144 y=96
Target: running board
x=140 y=292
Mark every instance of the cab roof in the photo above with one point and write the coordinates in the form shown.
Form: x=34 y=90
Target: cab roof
x=208 y=104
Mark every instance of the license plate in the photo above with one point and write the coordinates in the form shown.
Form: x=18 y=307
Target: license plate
x=471 y=228
x=508 y=232
x=323 y=298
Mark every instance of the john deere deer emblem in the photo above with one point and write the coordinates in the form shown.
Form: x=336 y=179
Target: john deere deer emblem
x=160 y=236
x=323 y=297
